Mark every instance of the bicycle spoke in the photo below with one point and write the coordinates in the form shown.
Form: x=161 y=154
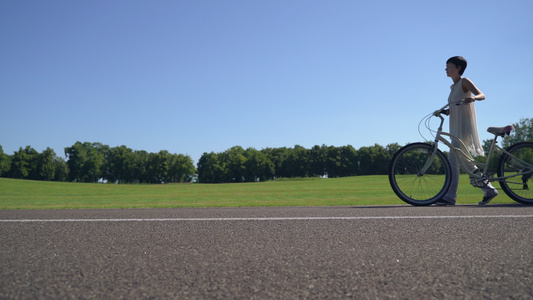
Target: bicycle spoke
x=409 y=184
x=517 y=167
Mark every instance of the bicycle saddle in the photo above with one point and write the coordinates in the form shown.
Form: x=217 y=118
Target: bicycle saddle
x=501 y=131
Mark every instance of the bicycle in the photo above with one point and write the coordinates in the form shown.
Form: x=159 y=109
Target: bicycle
x=420 y=173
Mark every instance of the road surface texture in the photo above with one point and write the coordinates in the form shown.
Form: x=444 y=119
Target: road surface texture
x=383 y=252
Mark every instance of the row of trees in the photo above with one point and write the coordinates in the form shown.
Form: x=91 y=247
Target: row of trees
x=93 y=162
x=27 y=163
x=240 y=165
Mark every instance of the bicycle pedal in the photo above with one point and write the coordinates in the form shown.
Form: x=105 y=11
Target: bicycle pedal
x=480 y=183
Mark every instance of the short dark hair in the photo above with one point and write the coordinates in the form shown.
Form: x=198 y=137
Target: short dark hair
x=458 y=61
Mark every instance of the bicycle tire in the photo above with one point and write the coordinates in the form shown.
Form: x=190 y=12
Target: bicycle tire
x=415 y=189
x=518 y=188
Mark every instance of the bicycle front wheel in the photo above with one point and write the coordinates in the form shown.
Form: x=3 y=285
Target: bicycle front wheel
x=518 y=167
x=412 y=186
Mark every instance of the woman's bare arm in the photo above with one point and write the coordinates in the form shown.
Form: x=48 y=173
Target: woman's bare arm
x=468 y=85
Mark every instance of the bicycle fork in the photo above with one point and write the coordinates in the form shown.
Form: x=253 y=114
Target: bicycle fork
x=434 y=149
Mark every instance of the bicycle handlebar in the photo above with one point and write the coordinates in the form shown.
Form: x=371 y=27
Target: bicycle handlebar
x=443 y=109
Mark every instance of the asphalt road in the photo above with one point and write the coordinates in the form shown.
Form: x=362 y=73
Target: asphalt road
x=400 y=252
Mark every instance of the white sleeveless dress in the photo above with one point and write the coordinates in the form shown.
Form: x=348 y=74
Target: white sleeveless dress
x=463 y=122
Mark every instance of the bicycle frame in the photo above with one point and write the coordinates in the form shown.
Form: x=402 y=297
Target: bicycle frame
x=463 y=154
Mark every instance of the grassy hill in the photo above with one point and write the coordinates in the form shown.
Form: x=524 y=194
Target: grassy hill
x=360 y=190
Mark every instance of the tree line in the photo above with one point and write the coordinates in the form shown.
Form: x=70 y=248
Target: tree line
x=248 y=165
x=94 y=162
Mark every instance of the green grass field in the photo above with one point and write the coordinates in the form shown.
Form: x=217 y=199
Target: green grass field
x=361 y=190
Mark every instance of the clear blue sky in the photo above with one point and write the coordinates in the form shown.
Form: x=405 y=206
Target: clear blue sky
x=200 y=76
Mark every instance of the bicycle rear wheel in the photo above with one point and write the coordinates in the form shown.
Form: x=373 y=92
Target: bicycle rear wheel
x=519 y=165
x=413 y=187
